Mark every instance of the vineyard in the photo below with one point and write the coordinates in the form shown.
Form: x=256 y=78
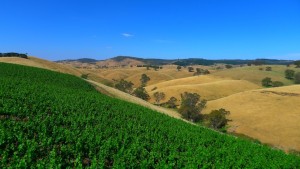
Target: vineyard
x=54 y=120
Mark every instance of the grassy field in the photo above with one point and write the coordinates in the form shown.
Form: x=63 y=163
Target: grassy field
x=254 y=75
x=269 y=115
x=54 y=120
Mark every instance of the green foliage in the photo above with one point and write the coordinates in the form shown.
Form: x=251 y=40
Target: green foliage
x=124 y=86
x=200 y=71
x=228 y=66
x=297 y=78
x=178 y=68
x=277 y=84
x=268 y=68
x=190 y=69
x=144 y=79
x=217 y=118
x=289 y=74
x=13 y=54
x=54 y=120
x=159 y=96
x=191 y=106
x=171 y=103
x=297 y=63
x=141 y=92
x=266 y=82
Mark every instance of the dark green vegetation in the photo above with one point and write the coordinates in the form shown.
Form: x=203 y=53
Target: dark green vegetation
x=13 y=54
x=52 y=120
x=191 y=106
x=124 y=86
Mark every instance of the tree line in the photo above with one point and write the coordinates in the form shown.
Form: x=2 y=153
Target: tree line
x=13 y=54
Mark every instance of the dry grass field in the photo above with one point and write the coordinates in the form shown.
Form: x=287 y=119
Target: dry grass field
x=270 y=115
x=208 y=87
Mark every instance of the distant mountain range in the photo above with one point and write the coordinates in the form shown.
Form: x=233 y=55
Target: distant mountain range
x=128 y=60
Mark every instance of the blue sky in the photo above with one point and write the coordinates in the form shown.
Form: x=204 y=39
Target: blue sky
x=211 y=29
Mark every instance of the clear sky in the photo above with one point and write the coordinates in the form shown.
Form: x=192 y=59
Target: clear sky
x=100 y=29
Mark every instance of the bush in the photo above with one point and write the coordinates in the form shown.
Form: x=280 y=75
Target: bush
x=191 y=69
x=171 y=103
x=266 y=82
x=277 y=84
x=140 y=92
x=268 y=68
x=289 y=74
x=159 y=96
x=124 y=86
x=297 y=78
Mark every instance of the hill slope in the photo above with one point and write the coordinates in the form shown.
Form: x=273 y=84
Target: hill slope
x=269 y=115
x=53 y=120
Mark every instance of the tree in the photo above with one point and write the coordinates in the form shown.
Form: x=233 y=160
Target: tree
x=178 y=68
x=228 y=66
x=289 y=74
x=124 y=86
x=268 y=68
x=217 y=118
x=200 y=71
x=277 y=84
x=140 y=92
x=144 y=79
x=297 y=63
x=297 y=78
x=159 y=96
x=266 y=82
x=191 y=106
x=191 y=69
x=171 y=103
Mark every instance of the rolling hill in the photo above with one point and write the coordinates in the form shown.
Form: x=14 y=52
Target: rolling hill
x=269 y=115
x=55 y=120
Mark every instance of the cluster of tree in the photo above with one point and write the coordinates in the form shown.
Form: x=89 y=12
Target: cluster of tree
x=12 y=54
x=200 y=71
x=228 y=66
x=155 y=67
x=192 y=106
x=292 y=75
x=297 y=63
x=267 y=82
x=139 y=92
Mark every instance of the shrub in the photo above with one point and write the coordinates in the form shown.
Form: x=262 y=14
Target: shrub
x=297 y=78
x=171 y=103
x=277 y=84
x=124 y=86
x=140 y=92
x=268 y=68
x=159 y=96
x=266 y=82
x=289 y=74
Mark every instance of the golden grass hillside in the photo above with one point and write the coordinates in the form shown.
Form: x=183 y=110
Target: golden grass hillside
x=208 y=87
x=133 y=74
x=254 y=75
x=36 y=62
x=270 y=115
